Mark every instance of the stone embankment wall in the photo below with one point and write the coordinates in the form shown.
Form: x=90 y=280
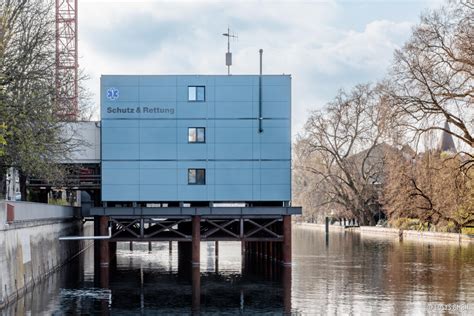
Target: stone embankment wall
x=332 y=228
x=29 y=245
x=413 y=235
x=395 y=233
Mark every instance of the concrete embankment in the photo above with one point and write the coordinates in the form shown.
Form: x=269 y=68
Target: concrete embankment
x=332 y=228
x=29 y=245
x=381 y=232
x=395 y=233
x=419 y=236
x=448 y=237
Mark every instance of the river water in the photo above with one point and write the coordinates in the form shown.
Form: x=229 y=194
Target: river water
x=344 y=274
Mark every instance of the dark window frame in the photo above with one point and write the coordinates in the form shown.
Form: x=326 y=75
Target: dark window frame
x=196 y=176
x=197 y=138
x=196 y=99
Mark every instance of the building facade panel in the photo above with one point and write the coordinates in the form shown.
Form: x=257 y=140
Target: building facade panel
x=158 y=135
x=275 y=151
x=157 y=94
x=158 y=192
x=157 y=164
x=271 y=192
x=233 y=176
x=192 y=151
x=235 y=109
x=234 y=192
x=155 y=80
x=236 y=94
x=159 y=176
x=121 y=135
x=233 y=151
x=273 y=135
x=193 y=193
x=186 y=110
x=121 y=176
x=158 y=152
x=120 y=151
x=195 y=138
x=120 y=192
x=195 y=80
x=276 y=109
x=118 y=80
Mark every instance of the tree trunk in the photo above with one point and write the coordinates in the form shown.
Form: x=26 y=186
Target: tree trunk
x=3 y=183
x=23 y=186
x=370 y=219
x=365 y=219
x=362 y=220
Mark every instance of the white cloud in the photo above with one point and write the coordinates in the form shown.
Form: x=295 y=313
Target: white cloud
x=305 y=39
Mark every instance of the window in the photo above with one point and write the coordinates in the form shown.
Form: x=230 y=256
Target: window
x=196 y=176
x=196 y=135
x=197 y=93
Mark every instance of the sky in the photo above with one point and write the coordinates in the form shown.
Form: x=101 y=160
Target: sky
x=324 y=45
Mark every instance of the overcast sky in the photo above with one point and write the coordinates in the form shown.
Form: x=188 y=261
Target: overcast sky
x=324 y=45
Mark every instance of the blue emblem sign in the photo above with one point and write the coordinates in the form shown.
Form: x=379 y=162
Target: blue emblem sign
x=112 y=94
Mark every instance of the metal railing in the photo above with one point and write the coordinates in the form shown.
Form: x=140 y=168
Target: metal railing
x=16 y=211
x=91 y=181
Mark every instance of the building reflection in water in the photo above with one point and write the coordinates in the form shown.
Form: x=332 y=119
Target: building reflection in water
x=351 y=274
x=164 y=281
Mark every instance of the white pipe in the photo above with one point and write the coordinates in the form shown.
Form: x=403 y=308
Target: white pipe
x=88 y=237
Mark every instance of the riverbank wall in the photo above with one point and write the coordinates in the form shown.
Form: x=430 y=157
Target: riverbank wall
x=419 y=236
x=29 y=245
x=400 y=234
x=332 y=228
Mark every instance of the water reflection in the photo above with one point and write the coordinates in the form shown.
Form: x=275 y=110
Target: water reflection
x=376 y=275
x=346 y=274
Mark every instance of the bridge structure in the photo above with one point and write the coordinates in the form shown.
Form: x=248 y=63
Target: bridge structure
x=187 y=159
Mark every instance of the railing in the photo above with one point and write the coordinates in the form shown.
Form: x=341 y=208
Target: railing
x=11 y=212
x=80 y=181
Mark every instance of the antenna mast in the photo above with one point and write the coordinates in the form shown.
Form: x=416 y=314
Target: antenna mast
x=228 y=55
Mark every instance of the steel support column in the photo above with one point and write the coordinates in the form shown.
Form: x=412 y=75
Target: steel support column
x=286 y=240
x=286 y=283
x=196 y=290
x=104 y=253
x=196 y=233
x=113 y=251
x=270 y=250
x=104 y=244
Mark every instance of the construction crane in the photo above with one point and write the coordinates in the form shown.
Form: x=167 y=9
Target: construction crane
x=67 y=89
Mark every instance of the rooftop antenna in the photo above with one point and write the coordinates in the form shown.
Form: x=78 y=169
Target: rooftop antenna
x=228 y=55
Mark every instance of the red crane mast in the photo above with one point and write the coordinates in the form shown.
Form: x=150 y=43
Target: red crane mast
x=66 y=59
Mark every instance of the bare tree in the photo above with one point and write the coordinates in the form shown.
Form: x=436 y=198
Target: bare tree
x=347 y=139
x=429 y=187
x=307 y=186
x=432 y=77
x=34 y=133
x=345 y=147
